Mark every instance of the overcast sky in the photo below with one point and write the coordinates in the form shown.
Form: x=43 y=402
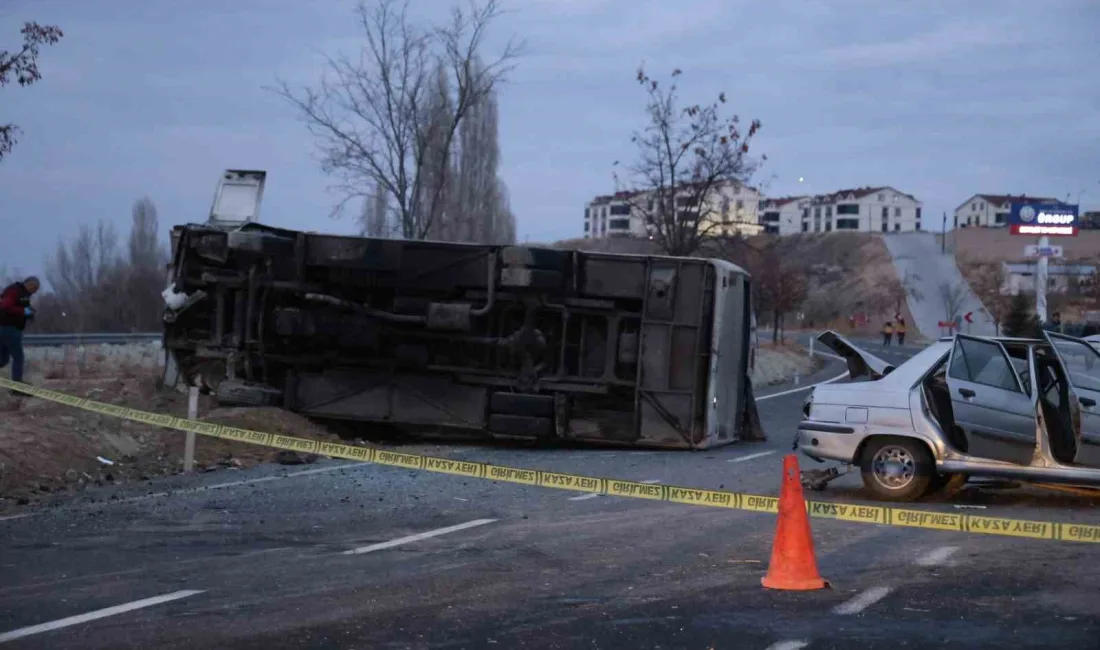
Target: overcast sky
x=941 y=99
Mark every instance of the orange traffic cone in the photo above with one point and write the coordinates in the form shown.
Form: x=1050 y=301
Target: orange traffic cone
x=793 y=566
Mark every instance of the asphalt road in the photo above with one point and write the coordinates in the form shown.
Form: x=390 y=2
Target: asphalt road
x=360 y=556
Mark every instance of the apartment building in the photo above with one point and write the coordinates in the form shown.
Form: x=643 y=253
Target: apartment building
x=782 y=216
x=1019 y=277
x=611 y=215
x=732 y=208
x=863 y=209
x=991 y=210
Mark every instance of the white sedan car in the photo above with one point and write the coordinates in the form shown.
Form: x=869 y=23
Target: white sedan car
x=1023 y=409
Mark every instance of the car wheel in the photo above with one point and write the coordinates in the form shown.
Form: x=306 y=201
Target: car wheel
x=897 y=469
x=948 y=484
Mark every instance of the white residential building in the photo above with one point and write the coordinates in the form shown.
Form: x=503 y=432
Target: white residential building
x=782 y=216
x=864 y=209
x=735 y=210
x=991 y=210
x=1019 y=277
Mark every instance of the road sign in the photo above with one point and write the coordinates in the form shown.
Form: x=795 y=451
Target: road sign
x=1032 y=250
x=947 y=323
x=967 y=317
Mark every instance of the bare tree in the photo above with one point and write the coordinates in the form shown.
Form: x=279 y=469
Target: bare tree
x=97 y=288
x=373 y=117
x=778 y=285
x=22 y=64
x=952 y=296
x=898 y=289
x=78 y=272
x=375 y=219
x=688 y=157
x=502 y=227
x=436 y=183
x=480 y=210
x=144 y=276
x=987 y=281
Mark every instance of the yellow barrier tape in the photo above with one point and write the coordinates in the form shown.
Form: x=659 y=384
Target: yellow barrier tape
x=882 y=515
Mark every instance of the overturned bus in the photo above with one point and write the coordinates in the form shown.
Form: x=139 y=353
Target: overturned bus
x=500 y=341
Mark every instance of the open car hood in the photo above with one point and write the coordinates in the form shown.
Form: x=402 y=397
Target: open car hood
x=860 y=362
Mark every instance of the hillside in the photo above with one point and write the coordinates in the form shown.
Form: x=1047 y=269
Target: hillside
x=999 y=245
x=845 y=274
x=980 y=253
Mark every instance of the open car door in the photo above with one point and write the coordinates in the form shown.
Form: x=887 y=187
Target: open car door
x=860 y=362
x=990 y=404
x=1080 y=363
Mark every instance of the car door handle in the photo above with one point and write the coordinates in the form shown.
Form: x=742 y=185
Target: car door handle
x=966 y=392
x=1087 y=401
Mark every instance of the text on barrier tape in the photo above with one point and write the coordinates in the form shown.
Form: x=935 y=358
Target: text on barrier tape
x=867 y=514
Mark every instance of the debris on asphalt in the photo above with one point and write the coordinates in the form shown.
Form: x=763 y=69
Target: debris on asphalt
x=284 y=457
x=105 y=461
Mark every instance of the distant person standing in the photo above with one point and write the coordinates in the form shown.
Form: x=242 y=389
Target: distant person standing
x=15 y=311
x=887 y=333
x=1055 y=324
x=900 y=331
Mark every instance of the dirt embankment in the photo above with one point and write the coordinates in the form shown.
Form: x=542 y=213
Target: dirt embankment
x=778 y=363
x=1000 y=245
x=47 y=447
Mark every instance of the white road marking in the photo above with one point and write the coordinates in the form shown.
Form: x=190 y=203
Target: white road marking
x=97 y=614
x=788 y=645
x=800 y=389
x=741 y=459
x=937 y=556
x=585 y=497
x=26 y=514
x=419 y=536
x=862 y=601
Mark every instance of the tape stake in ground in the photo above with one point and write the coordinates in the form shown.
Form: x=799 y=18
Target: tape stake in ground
x=867 y=514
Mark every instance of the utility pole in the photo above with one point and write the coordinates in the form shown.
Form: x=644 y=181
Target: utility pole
x=1041 y=280
x=943 y=238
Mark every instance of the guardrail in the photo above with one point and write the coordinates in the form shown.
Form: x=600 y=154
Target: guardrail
x=92 y=338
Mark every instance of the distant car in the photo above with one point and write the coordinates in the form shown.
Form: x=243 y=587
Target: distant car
x=1024 y=409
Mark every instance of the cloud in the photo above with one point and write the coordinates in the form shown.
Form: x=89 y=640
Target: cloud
x=943 y=41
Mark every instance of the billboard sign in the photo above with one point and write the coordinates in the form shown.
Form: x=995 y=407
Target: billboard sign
x=1037 y=219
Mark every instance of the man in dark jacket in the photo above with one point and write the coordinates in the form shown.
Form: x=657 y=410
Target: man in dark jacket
x=15 y=311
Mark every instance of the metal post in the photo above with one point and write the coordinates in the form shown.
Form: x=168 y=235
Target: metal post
x=943 y=236
x=812 y=348
x=189 y=445
x=1041 y=280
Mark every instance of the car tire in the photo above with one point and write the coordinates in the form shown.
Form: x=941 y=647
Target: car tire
x=948 y=484
x=897 y=469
